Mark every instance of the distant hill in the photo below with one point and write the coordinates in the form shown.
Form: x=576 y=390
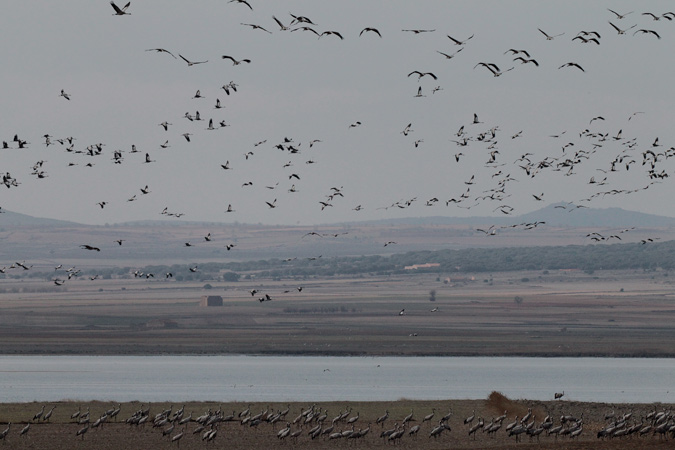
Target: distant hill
x=557 y=215
x=13 y=219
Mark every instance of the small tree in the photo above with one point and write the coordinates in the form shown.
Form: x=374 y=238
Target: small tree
x=518 y=299
x=432 y=295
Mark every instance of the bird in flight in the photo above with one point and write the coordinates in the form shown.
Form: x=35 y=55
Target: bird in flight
x=372 y=30
x=421 y=74
x=242 y=1
x=492 y=68
x=572 y=64
x=525 y=60
x=64 y=95
x=643 y=31
x=619 y=16
x=334 y=33
x=549 y=37
x=235 y=62
x=450 y=56
x=458 y=42
x=120 y=11
x=191 y=63
x=619 y=30
x=256 y=27
x=161 y=50
x=419 y=31
x=89 y=247
x=282 y=27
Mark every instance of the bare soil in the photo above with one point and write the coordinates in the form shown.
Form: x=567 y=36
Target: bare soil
x=60 y=431
x=558 y=313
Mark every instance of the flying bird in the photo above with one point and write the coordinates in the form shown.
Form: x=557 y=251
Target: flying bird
x=549 y=37
x=242 y=2
x=307 y=29
x=643 y=31
x=256 y=27
x=281 y=25
x=89 y=247
x=419 y=31
x=458 y=42
x=235 y=62
x=334 y=33
x=525 y=61
x=372 y=30
x=64 y=95
x=572 y=64
x=450 y=56
x=120 y=11
x=513 y=51
x=161 y=50
x=619 y=16
x=619 y=30
x=492 y=68
x=422 y=74
x=191 y=63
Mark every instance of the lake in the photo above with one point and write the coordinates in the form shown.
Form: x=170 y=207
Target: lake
x=296 y=378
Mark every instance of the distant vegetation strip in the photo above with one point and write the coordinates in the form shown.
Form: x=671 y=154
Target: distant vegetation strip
x=582 y=257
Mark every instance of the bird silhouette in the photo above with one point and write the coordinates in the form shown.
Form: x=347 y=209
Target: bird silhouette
x=120 y=11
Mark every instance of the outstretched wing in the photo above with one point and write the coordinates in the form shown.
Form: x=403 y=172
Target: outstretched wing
x=117 y=8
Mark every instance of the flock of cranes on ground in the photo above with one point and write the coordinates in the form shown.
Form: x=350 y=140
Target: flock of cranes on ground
x=317 y=423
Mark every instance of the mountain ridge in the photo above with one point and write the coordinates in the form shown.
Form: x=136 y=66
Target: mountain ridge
x=556 y=214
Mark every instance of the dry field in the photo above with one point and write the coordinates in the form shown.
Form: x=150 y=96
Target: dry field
x=560 y=313
x=60 y=432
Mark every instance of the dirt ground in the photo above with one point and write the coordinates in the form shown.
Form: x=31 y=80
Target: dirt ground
x=60 y=432
x=557 y=313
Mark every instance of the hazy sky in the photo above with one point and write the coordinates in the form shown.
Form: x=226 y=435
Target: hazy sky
x=304 y=88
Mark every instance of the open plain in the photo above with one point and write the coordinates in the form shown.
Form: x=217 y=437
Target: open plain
x=551 y=313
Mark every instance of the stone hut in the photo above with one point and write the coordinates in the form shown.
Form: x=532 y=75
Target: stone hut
x=211 y=300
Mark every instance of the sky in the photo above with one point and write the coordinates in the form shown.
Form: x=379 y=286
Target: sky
x=546 y=134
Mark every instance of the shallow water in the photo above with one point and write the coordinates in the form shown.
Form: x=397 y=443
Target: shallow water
x=291 y=378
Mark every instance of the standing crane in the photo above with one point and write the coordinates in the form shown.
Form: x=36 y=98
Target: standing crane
x=5 y=432
x=381 y=419
x=24 y=430
x=39 y=414
x=82 y=431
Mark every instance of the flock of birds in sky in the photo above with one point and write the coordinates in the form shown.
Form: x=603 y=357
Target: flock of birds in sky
x=607 y=150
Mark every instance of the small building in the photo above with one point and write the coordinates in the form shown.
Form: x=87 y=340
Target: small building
x=422 y=266
x=211 y=300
